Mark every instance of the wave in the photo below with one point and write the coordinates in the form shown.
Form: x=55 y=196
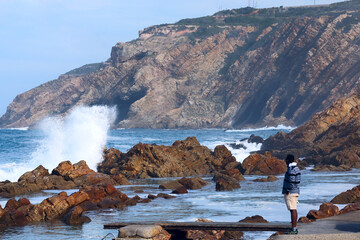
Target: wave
x=278 y=127
x=81 y=135
x=18 y=129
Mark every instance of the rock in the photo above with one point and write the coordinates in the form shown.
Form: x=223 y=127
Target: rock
x=171 y=185
x=230 y=235
x=237 y=146
x=150 y=196
x=258 y=164
x=180 y=190
x=193 y=183
x=330 y=140
x=326 y=210
x=226 y=183
x=184 y=158
x=268 y=179
x=31 y=176
x=121 y=179
x=304 y=220
x=61 y=206
x=350 y=196
x=71 y=172
x=350 y=208
x=323 y=168
x=94 y=178
x=255 y=139
x=234 y=173
x=254 y=219
x=154 y=232
x=164 y=195
x=205 y=234
x=75 y=217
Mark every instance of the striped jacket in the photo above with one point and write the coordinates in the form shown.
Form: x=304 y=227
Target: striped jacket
x=292 y=179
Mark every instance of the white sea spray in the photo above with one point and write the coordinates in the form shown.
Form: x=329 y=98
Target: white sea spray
x=81 y=135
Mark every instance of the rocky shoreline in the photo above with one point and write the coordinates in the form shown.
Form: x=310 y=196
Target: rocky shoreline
x=330 y=141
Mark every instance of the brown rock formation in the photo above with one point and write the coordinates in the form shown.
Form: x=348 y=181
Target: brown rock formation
x=183 y=158
x=350 y=196
x=350 y=208
x=237 y=68
x=65 y=176
x=258 y=164
x=325 y=210
x=254 y=219
x=187 y=183
x=68 y=208
x=331 y=137
x=267 y=179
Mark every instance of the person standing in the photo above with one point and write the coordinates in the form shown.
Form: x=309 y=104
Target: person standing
x=291 y=190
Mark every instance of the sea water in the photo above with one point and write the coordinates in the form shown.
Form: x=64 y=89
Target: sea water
x=87 y=130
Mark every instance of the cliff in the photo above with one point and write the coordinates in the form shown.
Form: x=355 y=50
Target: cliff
x=331 y=137
x=236 y=68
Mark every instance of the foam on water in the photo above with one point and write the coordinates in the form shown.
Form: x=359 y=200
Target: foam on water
x=279 y=127
x=81 y=135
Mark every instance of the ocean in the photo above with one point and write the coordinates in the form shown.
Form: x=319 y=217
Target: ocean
x=84 y=133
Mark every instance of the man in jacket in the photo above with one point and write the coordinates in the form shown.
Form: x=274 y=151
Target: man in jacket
x=291 y=190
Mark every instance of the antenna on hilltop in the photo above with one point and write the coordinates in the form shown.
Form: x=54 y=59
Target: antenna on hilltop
x=249 y=3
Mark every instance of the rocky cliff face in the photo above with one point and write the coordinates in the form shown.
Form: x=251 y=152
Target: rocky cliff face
x=331 y=137
x=234 y=69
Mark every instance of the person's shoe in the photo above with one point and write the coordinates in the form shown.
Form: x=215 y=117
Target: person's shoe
x=292 y=232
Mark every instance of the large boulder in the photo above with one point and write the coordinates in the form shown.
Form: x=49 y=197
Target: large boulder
x=331 y=137
x=325 y=210
x=184 y=158
x=350 y=196
x=225 y=183
x=31 y=176
x=263 y=164
x=69 y=171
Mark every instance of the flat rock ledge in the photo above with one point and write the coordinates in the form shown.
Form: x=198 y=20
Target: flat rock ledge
x=153 y=232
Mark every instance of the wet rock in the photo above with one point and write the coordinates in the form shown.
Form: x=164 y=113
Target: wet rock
x=193 y=183
x=304 y=220
x=326 y=210
x=350 y=208
x=266 y=164
x=164 y=195
x=180 y=190
x=75 y=217
x=350 y=196
x=71 y=172
x=237 y=146
x=325 y=168
x=254 y=219
x=330 y=138
x=61 y=206
x=171 y=185
x=226 y=183
x=150 y=196
x=121 y=179
x=268 y=179
x=184 y=158
x=205 y=234
x=31 y=176
x=255 y=139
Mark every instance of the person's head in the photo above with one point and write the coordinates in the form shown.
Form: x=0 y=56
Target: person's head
x=290 y=158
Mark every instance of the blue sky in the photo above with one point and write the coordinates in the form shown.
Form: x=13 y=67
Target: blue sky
x=41 y=39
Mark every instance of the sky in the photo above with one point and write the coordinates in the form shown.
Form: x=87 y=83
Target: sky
x=42 y=39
